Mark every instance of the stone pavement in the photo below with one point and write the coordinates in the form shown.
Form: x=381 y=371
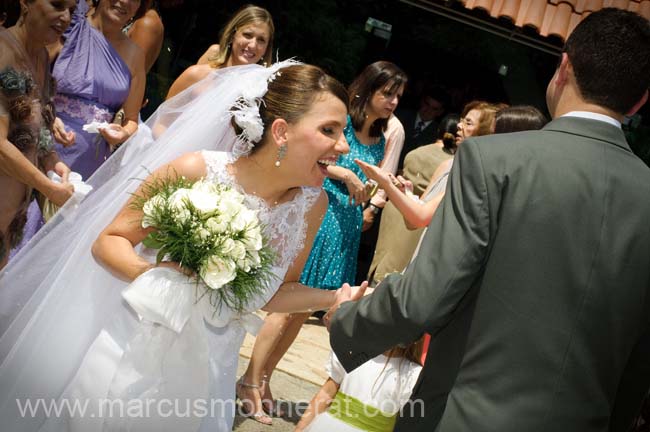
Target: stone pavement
x=297 y=379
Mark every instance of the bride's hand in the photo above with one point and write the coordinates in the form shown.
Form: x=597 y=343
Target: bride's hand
x=343 y=294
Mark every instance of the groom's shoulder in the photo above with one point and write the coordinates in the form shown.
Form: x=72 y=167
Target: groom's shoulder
x=506 y=144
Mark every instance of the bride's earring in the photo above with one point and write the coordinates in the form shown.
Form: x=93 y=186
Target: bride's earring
x=282 y=151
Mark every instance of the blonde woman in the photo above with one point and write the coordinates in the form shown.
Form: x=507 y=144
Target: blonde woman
x=246 y=39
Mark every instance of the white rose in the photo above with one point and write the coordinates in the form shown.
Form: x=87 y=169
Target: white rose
x=227 y=247
x=178 y=198
x=229 y=207
x=232 y=195
x=243 y=219
x=204 y=186
x=254 y=258
x=181 y=214
x=216 y=224
x=203 y=234
x=253 y=238
x=205 y=202
x=244 y=265
x=156 y=202
x=217 y=272
x=238 y=251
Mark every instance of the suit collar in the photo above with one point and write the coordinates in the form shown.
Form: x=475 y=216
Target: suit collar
x=595 y=129
x=594 y=116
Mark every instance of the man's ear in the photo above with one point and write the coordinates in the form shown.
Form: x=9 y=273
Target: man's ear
x=637 y=106
x=279 y=130
x=563 y=70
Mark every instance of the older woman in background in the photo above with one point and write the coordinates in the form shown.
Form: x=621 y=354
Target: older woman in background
x=27 y=116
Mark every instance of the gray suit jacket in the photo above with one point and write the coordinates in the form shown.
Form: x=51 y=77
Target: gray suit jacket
x=534 y=281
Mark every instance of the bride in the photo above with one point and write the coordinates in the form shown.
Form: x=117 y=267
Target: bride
x=74 y=355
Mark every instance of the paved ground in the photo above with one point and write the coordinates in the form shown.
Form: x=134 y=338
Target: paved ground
x=298 y=377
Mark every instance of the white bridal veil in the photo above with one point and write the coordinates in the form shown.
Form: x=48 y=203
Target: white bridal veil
x=54 y=297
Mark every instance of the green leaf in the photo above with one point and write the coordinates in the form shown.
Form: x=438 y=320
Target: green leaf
x=152 y=242
x=161 y=255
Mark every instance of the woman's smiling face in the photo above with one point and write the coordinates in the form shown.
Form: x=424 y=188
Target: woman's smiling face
x=249 y=44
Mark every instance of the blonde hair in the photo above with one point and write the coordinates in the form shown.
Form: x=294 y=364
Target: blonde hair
x=247 y=15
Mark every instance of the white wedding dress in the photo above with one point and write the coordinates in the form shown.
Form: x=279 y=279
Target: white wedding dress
x=67 y=337
x=158 y=365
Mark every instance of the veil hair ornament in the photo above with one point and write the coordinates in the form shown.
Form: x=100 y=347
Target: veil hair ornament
x=41 y=343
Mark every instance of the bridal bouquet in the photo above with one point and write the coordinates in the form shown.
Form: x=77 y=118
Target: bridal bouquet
x=209 y=231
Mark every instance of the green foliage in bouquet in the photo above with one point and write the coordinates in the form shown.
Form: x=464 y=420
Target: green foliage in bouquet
x=209 y=231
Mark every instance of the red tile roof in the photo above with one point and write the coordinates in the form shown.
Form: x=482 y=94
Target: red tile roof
x=553 y=17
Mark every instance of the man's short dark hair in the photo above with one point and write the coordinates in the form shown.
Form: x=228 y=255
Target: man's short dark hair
x=610 y=54
x=436 y=92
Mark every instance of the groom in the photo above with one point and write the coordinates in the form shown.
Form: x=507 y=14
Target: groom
x=534 y=276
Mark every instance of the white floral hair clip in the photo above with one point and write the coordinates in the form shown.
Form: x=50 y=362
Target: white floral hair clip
x=246 y=111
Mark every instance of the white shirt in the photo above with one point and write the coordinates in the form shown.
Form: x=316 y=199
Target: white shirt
x=594 y=116
x=418 y=120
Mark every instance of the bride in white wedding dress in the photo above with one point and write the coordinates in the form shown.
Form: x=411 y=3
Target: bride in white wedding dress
x=74 y=355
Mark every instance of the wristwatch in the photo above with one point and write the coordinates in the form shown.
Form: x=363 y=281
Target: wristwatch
x=374 y=209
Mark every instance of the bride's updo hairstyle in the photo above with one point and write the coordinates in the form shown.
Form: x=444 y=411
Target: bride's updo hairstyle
x=291 y=94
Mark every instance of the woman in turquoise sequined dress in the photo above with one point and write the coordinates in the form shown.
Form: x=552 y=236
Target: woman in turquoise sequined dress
x=333 y=258
x=374 y=95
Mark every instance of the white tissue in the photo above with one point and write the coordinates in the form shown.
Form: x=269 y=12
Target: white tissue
x=94 y=127
x=75 y=179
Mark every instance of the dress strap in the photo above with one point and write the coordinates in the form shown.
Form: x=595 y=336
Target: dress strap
x=215 y=165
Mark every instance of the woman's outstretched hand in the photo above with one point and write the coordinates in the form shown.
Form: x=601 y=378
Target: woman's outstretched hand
x=375 y=173
x=356 y=189
x=343 y=294
x=114 y=135
x=65 y=138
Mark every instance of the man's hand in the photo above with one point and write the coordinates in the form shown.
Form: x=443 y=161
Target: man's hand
x=343 y=294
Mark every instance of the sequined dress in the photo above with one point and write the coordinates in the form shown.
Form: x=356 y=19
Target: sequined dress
x=333 y=258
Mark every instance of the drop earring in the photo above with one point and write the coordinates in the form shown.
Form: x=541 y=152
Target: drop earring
x=282 y=151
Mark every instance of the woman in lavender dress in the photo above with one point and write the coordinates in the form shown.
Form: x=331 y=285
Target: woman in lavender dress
x=98 y=70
